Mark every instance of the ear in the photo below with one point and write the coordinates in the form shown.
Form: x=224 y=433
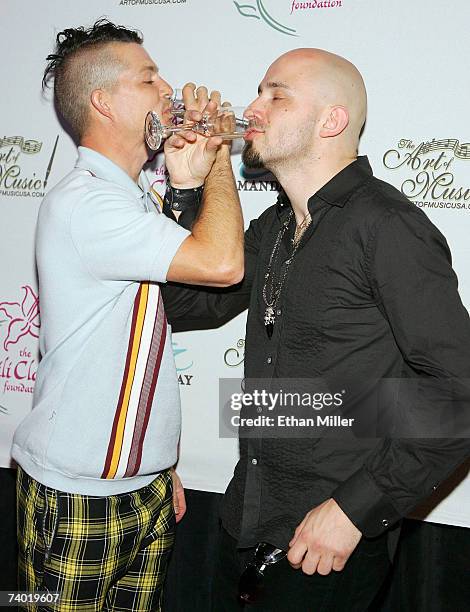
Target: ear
x=335 y=123
x=100 y=101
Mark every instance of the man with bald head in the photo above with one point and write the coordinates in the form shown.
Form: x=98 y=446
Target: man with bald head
x=304 y=147
x=340 y=276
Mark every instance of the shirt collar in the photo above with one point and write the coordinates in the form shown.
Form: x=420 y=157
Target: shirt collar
x=104 y=168
x=338 y=190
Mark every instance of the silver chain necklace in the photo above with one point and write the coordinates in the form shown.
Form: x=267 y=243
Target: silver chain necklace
x=271 y=286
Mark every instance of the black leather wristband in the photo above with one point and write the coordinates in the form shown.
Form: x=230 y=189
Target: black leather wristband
x=182 y=199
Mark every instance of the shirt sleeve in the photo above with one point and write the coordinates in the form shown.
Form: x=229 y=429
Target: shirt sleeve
x=411 y=276
x=119 y=240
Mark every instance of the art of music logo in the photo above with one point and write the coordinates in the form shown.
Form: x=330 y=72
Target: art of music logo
x=25 y=166
x=431 y=173
x=19 y=330
x=276 y=14
x=150 y=2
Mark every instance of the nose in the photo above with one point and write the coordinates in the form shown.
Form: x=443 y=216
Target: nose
x=166 y=89
x=248 y=113
x=254 y=112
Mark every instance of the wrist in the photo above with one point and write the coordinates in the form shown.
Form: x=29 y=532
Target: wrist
x=224 y=153
x=194 y=184
x=179 y=200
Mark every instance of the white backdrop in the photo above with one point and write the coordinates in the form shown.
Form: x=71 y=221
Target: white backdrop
x=413 y=56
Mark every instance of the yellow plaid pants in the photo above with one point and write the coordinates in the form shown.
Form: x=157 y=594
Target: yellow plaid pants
x=99 y=553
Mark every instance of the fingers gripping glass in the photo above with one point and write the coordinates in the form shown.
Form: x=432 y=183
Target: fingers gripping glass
x=251 y=584
x=226 y=121
x=178 y=108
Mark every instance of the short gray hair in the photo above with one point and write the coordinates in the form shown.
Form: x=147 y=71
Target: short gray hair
x=84 y=61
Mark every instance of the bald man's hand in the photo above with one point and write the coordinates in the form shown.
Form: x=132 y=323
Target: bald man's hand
x=189 y=156
x=324 y=540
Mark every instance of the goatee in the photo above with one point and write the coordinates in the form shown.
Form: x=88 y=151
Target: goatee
x=250 y=157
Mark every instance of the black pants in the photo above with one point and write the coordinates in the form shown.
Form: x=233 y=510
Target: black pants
x=288 y=590
x=192 y=566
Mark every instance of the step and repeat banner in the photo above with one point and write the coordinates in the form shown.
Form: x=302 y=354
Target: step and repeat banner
x=413 y=56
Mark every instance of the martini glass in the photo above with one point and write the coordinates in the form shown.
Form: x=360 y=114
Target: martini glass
x=226 y=121
x=177 y=108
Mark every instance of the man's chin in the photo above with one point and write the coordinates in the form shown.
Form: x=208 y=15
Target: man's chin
x=250 y=157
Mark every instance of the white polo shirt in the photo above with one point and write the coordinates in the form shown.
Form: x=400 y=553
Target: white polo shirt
x=106 y=410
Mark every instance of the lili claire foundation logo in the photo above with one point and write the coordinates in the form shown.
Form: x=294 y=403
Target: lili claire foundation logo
x=19 y=330
x=258 y=10
x=157 y=175
x=314 y=4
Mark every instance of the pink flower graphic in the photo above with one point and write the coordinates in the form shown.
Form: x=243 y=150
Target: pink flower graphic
x=24 y=317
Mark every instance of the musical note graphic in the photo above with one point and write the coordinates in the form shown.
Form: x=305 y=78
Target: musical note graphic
x=26 y=146
x=462 y=151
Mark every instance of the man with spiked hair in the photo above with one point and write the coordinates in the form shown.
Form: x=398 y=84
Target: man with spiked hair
x=96 y=509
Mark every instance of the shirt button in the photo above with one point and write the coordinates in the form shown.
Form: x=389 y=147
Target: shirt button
x=385 y=522
x=254 y=461
x=279 y=312
x=269 y=360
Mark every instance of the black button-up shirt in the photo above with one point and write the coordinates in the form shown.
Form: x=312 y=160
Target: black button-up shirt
x=370 y=293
